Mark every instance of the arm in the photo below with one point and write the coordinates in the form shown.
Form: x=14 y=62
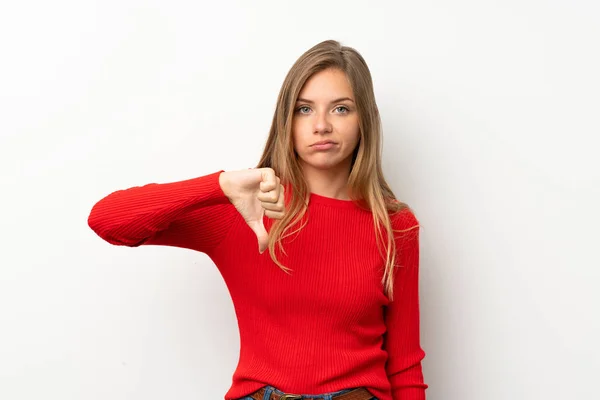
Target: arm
x=193 y=213
x=402 y=339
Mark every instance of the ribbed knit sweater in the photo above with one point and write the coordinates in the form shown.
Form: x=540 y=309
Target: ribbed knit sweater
x=325 y=326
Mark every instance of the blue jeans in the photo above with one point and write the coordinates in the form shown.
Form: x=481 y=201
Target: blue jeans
x=325 y=396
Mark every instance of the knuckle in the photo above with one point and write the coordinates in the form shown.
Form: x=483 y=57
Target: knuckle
x=269 y=172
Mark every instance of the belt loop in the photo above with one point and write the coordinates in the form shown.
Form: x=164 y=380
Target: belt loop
x=267 y=394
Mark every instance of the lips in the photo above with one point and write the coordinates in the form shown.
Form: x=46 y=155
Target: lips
x=323 y=145
x=322 y=142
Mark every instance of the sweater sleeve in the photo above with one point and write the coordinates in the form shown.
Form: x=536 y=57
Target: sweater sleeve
x=193 y=214
x=402 y=338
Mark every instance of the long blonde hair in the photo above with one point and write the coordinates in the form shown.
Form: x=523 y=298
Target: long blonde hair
x=367 y=186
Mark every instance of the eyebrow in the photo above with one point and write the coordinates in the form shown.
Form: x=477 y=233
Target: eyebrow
x=300 y=100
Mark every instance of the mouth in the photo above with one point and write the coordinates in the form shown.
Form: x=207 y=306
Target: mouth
x=323 y=145
x=322 y=142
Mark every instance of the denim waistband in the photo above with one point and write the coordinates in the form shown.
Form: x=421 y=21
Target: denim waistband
x=324 y=396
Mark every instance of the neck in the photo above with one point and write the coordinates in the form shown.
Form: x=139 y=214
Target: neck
x=332 y=182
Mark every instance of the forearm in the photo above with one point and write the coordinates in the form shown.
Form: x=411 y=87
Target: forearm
x=132 y=216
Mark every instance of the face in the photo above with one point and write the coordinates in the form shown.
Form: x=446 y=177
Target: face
x=325 y=127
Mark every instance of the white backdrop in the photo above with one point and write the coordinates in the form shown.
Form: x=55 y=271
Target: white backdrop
x=490 y=113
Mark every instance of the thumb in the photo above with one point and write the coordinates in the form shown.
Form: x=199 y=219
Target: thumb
x=258 y=227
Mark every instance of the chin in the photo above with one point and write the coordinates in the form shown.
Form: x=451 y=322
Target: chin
x=322 y=165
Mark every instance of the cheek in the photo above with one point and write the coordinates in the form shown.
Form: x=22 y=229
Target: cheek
x=296 y=140
x=298 y=133
x=352 y=131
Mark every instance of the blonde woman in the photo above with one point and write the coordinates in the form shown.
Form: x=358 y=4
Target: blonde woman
x=331 y=310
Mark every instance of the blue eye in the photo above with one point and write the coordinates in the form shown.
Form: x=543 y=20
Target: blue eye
x=339 y=110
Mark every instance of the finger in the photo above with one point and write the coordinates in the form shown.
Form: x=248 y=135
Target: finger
x=277 y=206
x=271 y=196
x=274 y=214
x=261 y=234
x=268 y=176
x=269 y=180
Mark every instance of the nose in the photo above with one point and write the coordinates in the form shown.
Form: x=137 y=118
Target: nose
x=322 y=123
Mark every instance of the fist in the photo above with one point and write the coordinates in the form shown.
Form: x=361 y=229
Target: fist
x=255 y=193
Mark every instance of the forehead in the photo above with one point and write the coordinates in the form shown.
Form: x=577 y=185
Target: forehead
x=326 y=84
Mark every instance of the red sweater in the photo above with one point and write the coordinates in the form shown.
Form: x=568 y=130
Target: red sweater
x=327 y=326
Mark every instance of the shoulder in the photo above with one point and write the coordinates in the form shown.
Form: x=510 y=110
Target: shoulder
x=405 y=224
x=404 y=218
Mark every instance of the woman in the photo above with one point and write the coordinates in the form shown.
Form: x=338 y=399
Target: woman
x=331 y=311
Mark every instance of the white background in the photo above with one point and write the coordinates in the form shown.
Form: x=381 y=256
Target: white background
x=490 y=113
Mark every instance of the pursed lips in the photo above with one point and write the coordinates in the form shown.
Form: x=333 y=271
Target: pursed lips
x=323 y=142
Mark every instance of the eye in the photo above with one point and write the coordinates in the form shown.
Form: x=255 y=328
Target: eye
x=303 y=109
x=343 y=108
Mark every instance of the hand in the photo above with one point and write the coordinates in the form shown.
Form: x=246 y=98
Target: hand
x=255 y=193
